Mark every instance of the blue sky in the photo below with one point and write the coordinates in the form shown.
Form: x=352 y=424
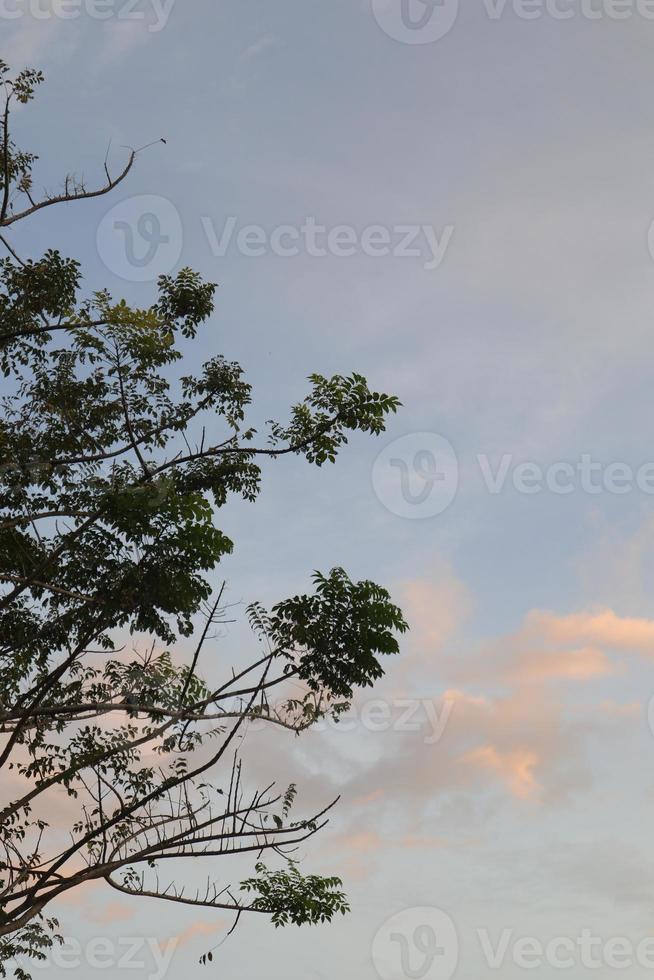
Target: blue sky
x=532 y=613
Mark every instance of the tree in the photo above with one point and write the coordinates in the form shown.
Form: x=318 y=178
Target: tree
x=109 y=494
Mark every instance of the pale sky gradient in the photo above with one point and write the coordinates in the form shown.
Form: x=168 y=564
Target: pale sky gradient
x=532 y=614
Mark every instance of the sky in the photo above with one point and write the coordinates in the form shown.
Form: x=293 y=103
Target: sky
x=455 y=200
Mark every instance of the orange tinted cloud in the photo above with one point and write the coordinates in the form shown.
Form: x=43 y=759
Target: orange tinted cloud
x=603 y=628
x=198 y=929
x=369 y=798
x=435 y=609
x=578 y=665
x=363 y=843
x=114 y=912
x=422 y=843
x=626 y=709
x=514 y=768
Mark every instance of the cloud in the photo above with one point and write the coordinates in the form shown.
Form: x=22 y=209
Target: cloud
x=369 y=798
x=121 y=36
x=603 y=628
x=259 y=46
x=613 y=870
x=423 y=843
x=33 y=42
x=626 y=709
x=581 y=664
x=512 y=732
x=571 y=219
x=363 y=842
x=246 y=69
x=547 y=647
x=522 y=740
x=515 y=769
x=114 y=912
x=435 y=609
x=200 y=929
